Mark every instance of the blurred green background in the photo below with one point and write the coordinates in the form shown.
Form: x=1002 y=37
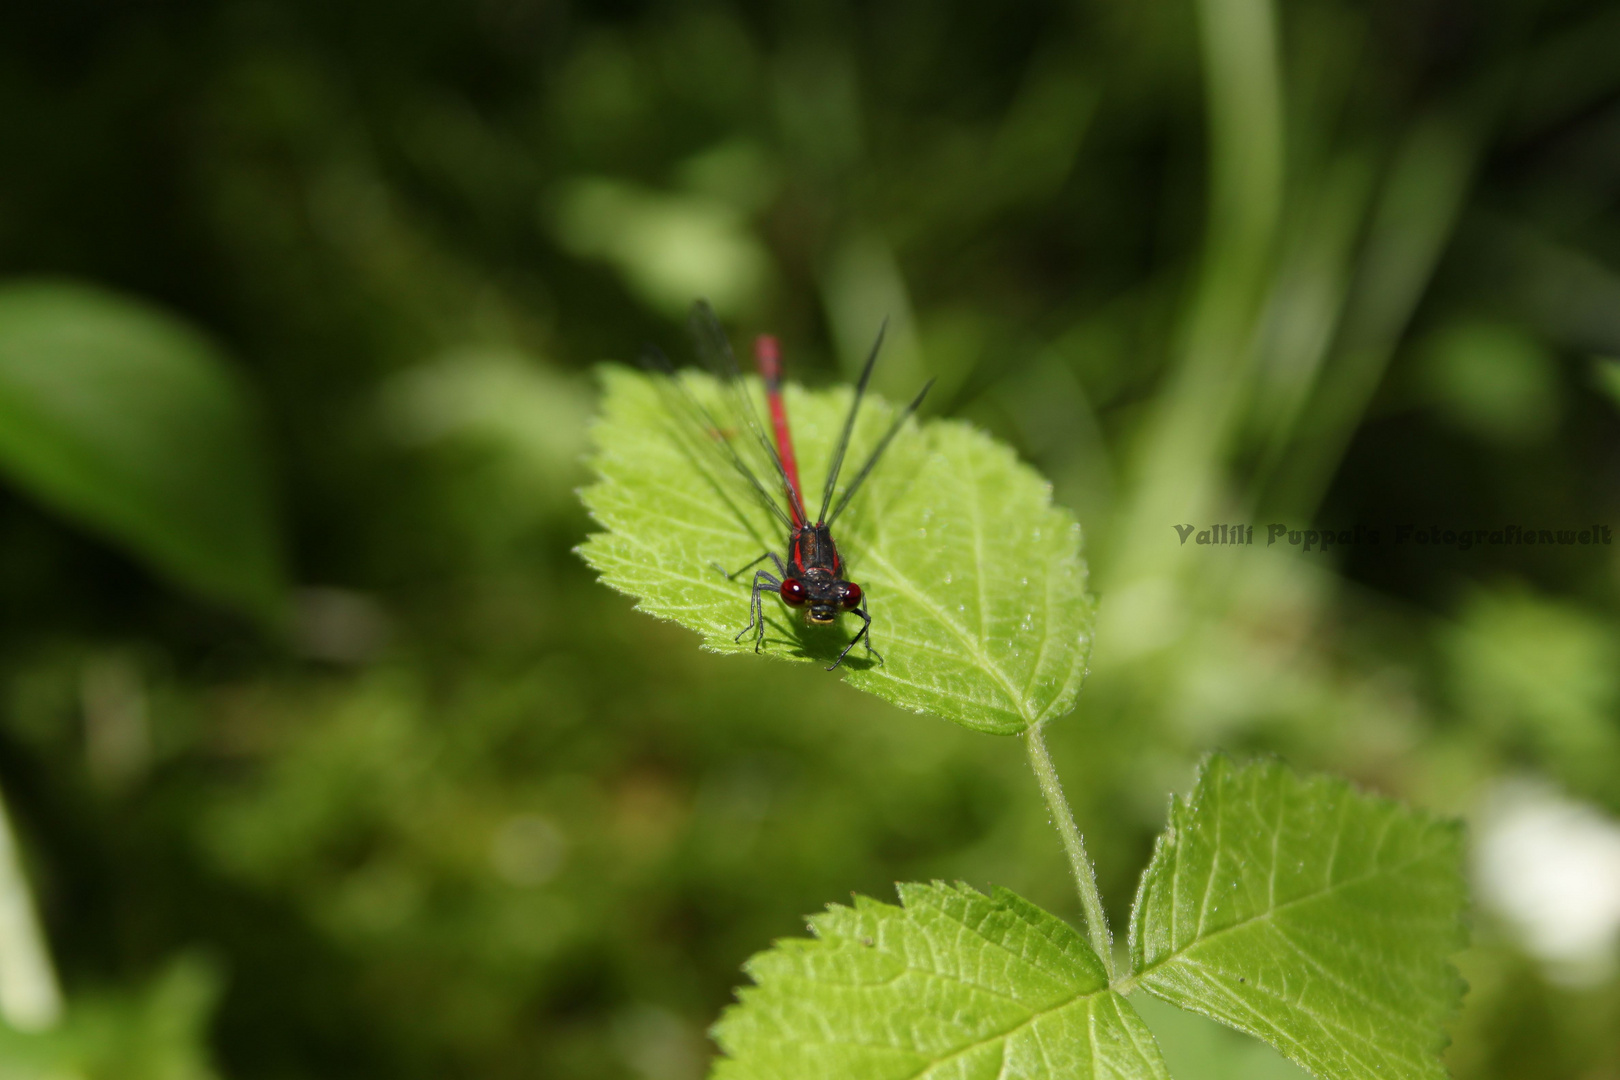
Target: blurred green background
x=324 y=756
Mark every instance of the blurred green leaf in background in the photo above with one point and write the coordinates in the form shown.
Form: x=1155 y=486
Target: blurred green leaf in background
x=321 y=290
x=129 y=421
x=157 y=1032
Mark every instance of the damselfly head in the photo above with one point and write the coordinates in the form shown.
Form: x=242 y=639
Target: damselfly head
x=837 y=597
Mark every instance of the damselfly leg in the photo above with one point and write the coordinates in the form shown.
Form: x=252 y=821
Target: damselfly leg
x=763 y=582
x=732 y=576
x=862 y=637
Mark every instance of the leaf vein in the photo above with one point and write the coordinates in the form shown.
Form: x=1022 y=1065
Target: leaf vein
x=984 y=662
x=1303 y=898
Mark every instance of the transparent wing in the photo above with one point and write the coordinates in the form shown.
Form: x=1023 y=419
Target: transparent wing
x=837 y=465
x=707 y=433
x=883 y=444
x=714 y=349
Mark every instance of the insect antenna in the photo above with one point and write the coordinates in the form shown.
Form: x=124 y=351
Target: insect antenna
x=883 y=444
x=681 y=398
x=715 y=349
x=849 y=424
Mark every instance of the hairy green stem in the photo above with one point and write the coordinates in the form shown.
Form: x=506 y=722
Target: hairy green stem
x=1085 y=877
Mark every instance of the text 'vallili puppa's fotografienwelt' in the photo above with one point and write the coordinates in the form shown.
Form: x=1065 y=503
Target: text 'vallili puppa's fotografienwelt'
x=1460 y=539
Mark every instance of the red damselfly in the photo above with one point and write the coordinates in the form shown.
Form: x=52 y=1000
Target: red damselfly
x=812 y=577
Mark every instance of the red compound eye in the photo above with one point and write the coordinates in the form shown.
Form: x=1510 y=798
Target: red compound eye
x=793 y=591
x=852 y=596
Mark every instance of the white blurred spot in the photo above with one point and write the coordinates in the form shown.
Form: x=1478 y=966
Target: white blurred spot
x=1551 y=867
x=30 y=999
x=527 y=849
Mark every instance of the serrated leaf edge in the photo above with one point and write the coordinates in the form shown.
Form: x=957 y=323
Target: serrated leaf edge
x=1182 y=807
x=912 y=891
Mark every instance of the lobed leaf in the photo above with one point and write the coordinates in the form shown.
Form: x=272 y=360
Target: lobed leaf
x=953 y=984
x=1310 y=915
x=974 y=580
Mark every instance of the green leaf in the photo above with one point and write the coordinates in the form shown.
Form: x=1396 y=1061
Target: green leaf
x=158 y=1031
x=974 y=580
x=130 y=422
x=954 y=984
x=1305 y=913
